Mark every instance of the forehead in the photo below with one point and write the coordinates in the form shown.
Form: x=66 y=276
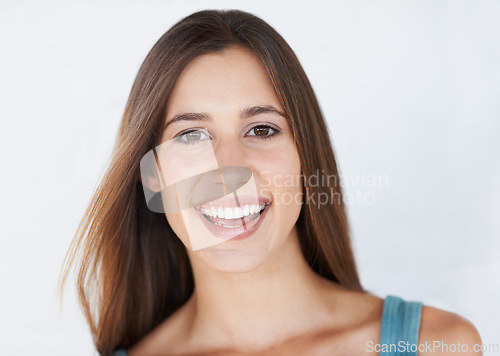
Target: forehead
x=227 y=80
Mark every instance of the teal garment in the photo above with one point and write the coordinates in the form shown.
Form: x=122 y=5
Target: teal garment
x=400 y=325
x=399 y=329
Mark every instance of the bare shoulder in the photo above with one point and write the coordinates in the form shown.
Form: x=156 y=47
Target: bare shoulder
x=159 y=338
x=356 y=318
x=352 y=299
x=169 y=335
x=450 y=332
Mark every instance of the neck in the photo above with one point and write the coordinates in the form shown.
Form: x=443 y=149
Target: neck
x=263 y=307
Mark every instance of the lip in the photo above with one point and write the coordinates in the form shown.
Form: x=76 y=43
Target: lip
x=248 y=227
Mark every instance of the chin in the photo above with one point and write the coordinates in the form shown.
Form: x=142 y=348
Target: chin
x=227 y=261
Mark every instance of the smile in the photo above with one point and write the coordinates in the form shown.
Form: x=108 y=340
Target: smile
x=230 y=222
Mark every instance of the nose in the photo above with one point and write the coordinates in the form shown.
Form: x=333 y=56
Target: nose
x=231 y=157
x=230 y=152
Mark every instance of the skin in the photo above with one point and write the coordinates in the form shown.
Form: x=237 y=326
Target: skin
x=259 y=295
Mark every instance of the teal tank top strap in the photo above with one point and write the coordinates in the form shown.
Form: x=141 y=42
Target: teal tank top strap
x=119 y=352
x=399 y=329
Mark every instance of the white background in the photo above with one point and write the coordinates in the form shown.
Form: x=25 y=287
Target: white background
x=411 y=92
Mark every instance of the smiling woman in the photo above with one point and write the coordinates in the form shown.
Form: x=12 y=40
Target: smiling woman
x=198 y=241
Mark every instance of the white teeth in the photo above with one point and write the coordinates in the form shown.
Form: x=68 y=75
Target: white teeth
x=228 y=213
x=232 y=213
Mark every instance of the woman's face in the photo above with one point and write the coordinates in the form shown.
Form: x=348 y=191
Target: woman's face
x=234 y=120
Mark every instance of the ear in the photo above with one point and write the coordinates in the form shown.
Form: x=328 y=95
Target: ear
x=150 y=173
x=153 y=183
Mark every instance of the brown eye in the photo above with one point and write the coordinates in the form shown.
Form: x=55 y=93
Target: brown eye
x=261 y=131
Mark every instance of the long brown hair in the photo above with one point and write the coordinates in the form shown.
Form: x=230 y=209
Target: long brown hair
x=132 y=270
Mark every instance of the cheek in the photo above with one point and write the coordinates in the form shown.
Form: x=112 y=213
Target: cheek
x=280 y=177
x=280 y=159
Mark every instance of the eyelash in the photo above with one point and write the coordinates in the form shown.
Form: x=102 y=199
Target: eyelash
x=275 y=132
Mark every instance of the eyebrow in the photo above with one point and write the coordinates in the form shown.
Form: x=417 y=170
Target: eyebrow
x=245 y=113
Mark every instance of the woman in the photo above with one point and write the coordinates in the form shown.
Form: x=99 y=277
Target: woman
x=206 y=235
